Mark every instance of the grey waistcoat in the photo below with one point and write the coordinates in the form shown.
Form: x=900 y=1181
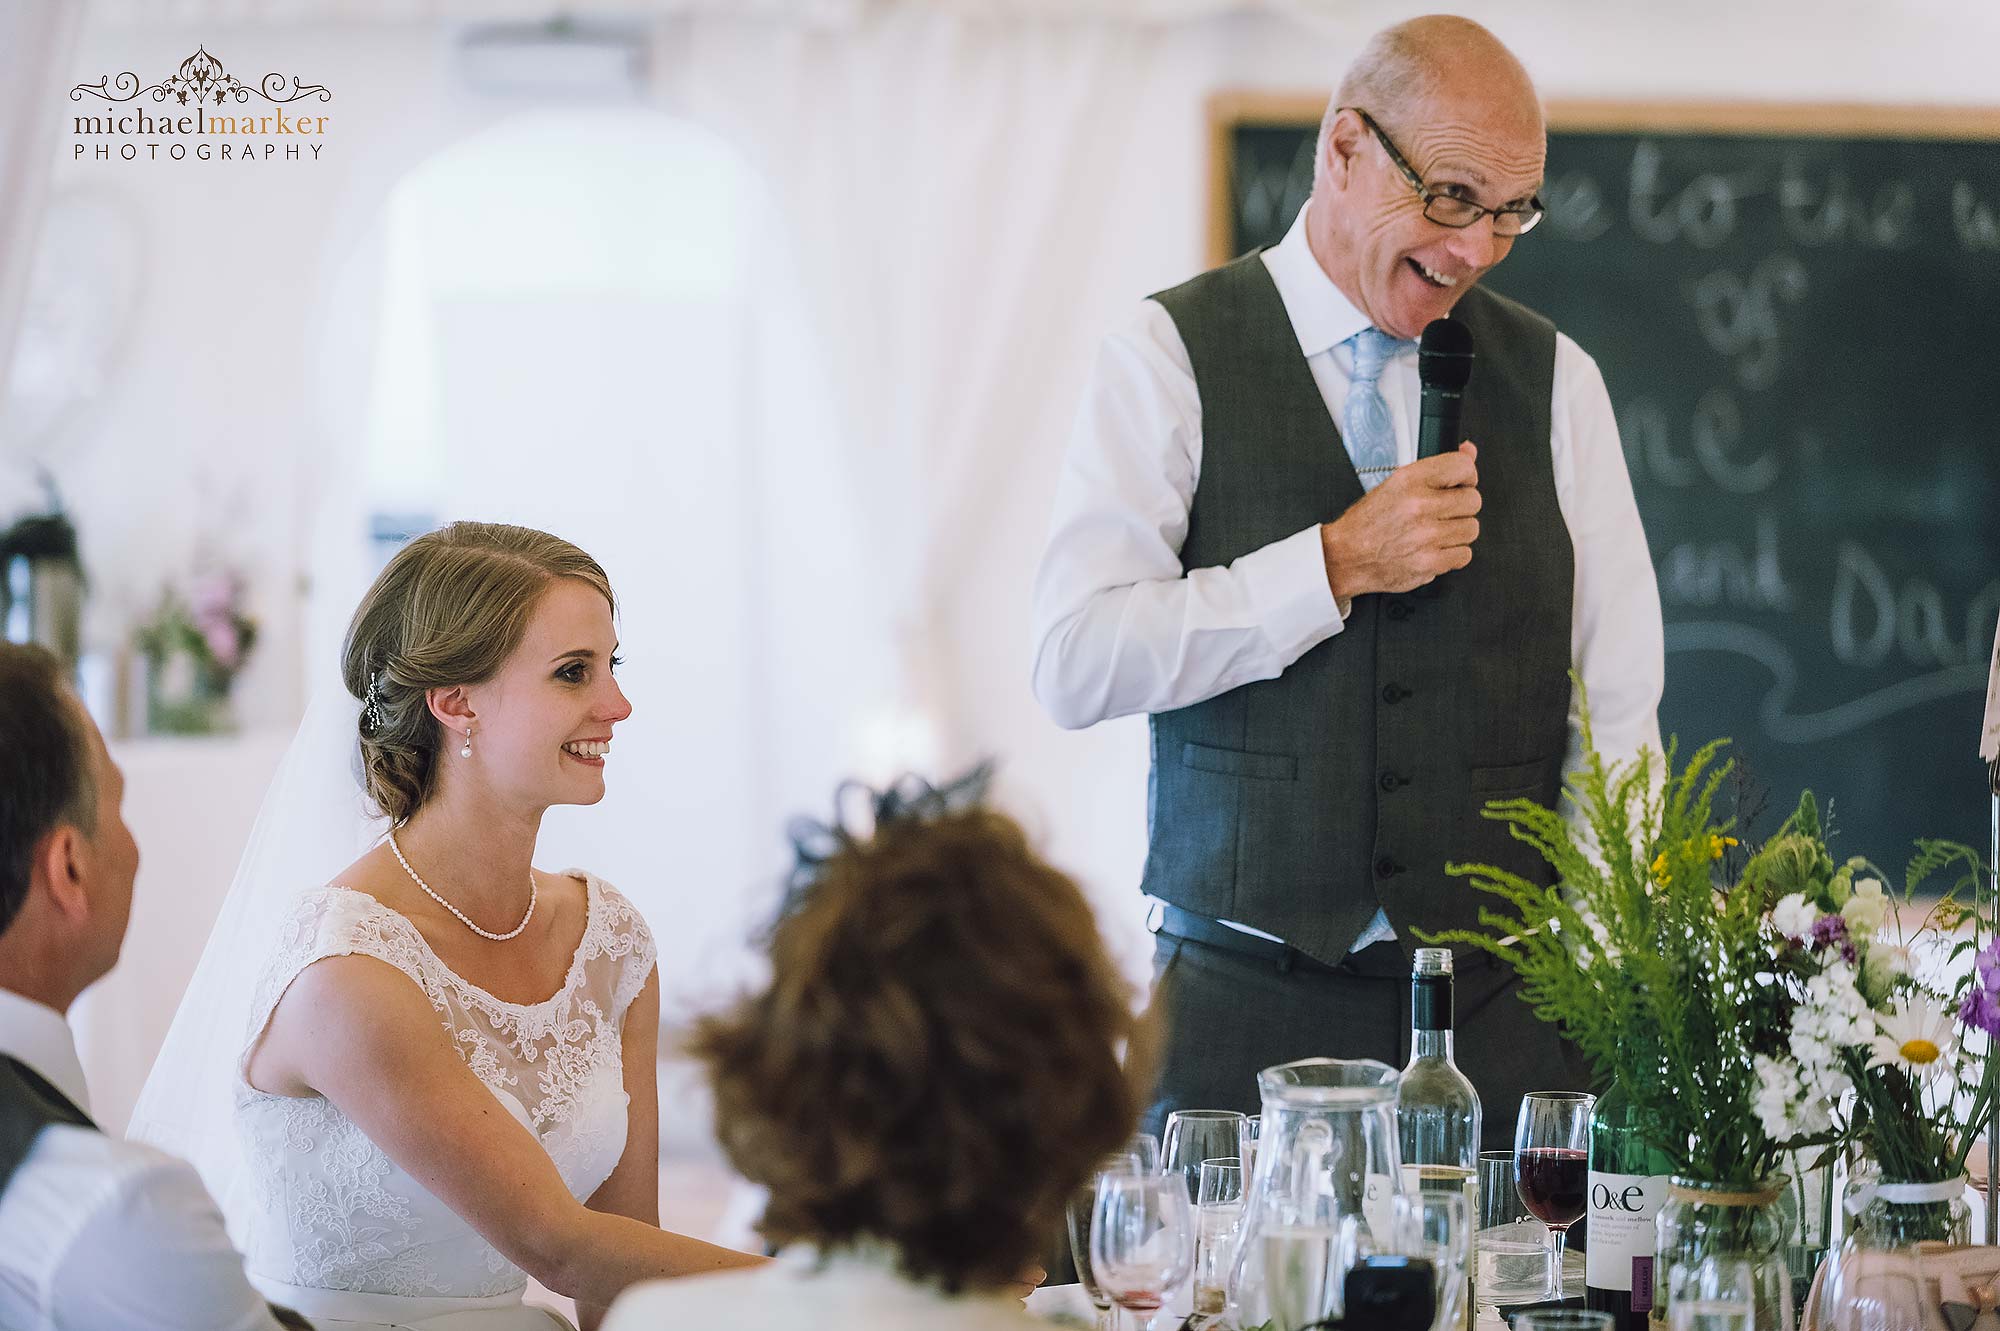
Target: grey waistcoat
x=28 y=1103
x=1300 y=804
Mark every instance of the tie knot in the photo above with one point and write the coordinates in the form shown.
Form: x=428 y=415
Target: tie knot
x=1372 y=347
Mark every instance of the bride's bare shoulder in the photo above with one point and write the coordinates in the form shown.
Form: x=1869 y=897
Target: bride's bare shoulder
x=376 y=875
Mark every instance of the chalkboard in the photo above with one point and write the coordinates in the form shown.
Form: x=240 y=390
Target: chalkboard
x=1797 y=311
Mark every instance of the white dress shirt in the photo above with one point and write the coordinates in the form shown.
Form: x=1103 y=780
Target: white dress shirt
x=98 y=1234
x=1121 y=629
x=856 y=1289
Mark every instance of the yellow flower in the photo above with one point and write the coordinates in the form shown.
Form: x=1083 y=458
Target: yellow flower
x=1717 y=844
x=1660 y=867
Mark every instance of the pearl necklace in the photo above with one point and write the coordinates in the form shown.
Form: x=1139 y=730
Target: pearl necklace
x=533 y=891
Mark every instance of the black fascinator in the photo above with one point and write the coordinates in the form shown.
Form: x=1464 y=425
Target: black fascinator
x=862 y=813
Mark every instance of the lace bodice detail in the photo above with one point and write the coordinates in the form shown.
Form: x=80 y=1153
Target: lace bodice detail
x=333 y=1211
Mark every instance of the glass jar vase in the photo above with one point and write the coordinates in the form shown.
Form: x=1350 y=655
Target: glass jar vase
x=1885 y=1274
x=1721 y=1253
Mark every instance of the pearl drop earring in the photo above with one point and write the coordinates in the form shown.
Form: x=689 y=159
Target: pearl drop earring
x=466 y=752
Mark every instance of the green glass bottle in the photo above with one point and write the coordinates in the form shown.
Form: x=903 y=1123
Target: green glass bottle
x=1628 y=1183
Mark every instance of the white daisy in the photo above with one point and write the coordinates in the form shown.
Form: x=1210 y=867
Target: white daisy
x=1914 y=1035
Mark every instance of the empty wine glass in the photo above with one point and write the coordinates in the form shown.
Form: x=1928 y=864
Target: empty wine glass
x=1143 y=1147
x=1551 y=1165
x=1195 y=1135
x=1081 y=1204
x=1141 y=1238
x=1247 y=1134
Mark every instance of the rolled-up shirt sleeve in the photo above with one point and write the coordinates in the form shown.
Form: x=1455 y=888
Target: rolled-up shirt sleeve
x=1120 y=627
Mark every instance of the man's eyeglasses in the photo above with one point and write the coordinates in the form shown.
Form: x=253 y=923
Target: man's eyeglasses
x=1454 y=210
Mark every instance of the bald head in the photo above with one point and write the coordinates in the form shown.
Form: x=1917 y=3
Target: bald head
x=1435 y=108
x=1415 y=71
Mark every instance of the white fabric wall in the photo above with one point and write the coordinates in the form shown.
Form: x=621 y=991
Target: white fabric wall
x=965 y=196
x=36 y=40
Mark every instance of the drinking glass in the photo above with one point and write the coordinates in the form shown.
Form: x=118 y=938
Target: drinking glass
x=1247 y=1133
x=1141 y=1238
x=1081 y=1204
x=1143 y=1147
x=1437 y=1226
x=1195 y=1135
x=1561 y=1319
x=1720 y=1292
x=1218 y=1223
x=1499 y=1200
x=1551 y=1165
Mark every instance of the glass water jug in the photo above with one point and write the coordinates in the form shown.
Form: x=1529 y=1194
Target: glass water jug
x=1322 y=1193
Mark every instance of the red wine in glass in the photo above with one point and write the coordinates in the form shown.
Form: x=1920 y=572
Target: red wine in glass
x=1553 y=1182
x=1552 y=1166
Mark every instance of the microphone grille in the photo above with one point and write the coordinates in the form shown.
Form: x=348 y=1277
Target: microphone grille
x=1444 y=357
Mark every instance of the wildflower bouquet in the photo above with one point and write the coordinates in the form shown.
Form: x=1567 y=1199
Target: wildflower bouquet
x=1872 y=1051
x=1646 y=962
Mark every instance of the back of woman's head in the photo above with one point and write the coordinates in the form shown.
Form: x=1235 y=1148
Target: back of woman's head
x=449 y=609
x=935 y=1062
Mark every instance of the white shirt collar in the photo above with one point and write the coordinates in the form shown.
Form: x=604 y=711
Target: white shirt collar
x=37 y=1035
x=1322 y=316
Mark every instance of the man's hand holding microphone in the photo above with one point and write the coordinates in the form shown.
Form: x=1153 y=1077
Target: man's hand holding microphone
x=1422 y=520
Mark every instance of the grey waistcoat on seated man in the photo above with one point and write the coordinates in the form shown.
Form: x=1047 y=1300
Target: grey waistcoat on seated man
x=28 y=1103
x=1299 y=804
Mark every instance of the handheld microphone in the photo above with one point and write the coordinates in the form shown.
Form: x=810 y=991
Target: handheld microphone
x=1444 y=365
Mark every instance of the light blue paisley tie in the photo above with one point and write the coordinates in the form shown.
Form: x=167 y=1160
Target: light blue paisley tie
x=1365 y=425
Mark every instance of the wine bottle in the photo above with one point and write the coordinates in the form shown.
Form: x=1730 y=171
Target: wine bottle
x=1628 y=1182
x=1437 y=1110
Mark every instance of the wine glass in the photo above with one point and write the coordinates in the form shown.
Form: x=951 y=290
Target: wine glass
x=1218 y=1214
x=1081 y=1204
x=1141 y=1238
x=1247 y=1134
x=1551 y=1165
x=1437 y=1226
x=1144 y=1148
x=1195 y=1135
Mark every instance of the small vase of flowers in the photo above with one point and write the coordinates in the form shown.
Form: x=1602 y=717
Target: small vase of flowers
x=195 y=644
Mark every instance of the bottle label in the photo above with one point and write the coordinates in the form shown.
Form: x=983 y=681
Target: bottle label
x=1620 y=1255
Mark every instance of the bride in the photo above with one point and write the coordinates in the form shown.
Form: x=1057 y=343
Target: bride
x=437 y=1064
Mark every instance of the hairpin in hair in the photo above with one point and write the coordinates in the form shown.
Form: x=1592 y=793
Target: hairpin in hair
x=371 y=703
x=909 y=798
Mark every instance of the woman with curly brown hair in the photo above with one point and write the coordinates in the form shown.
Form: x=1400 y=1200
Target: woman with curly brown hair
x=932 y=1070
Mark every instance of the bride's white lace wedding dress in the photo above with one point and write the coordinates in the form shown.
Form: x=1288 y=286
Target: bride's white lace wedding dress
x=341 y=1232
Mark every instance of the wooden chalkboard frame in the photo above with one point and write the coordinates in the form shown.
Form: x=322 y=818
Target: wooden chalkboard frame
x=1227 y=111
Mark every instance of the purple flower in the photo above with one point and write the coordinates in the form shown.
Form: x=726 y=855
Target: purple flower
x=1987 y=962
x=1831 y=930
x=223 y=643
x=1981 y=1008
x=213 y=596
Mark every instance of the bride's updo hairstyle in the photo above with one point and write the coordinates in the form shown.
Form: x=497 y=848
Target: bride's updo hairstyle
x=934 y=1065
x=449 y=609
